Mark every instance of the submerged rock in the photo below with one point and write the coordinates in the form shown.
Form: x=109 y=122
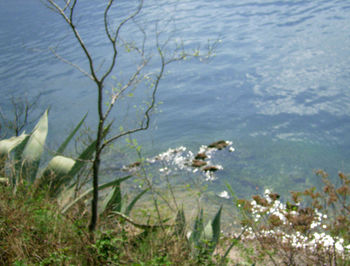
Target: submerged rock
x=201 y=156
x=198 y=163
x=210 y=168
x=218 y=144
x=135 y=164
x=131 y=166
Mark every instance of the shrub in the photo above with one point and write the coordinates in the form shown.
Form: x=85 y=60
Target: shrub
x=313 y=229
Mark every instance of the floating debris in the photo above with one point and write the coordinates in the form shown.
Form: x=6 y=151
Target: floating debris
x=224 y=194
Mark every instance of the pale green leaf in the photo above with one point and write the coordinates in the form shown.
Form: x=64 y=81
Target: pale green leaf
x=208 y=231
x=56 y=174
x=7 y=145
x=33 y=150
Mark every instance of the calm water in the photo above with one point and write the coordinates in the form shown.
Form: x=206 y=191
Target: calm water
x=278 y=87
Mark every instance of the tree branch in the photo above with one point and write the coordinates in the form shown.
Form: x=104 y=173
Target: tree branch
x=71 y=64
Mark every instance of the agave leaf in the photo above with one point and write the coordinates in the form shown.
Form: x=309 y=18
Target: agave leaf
x=133 y=202
x=18 y=154
x=32 y=152
x=180 y=222
x=89 y=192
x=56 y=174
x=216 y=226
x=208 y=231
x=7 y=145
x=71 y=135
x=113 y=202
x=86 y=155
x=198 y=228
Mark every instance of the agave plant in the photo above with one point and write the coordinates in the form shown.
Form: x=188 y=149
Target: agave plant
x=24 y=153
x=202 y=240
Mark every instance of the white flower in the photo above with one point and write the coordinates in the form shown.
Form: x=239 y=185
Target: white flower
x=267 y=192
x=313 y=225
x=328 y=241
x=339 y=247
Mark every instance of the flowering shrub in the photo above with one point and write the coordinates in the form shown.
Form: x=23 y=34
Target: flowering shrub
x=313 y=229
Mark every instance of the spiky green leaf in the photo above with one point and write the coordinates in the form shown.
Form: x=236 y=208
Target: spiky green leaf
x=88 y=192
x=71 y=135
x=197 y=228
x=113 y=201
x=86 y=155
x=133 y=202
x=180 y=222
x=216 y=226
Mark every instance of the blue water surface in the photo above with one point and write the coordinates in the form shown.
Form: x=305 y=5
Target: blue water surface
x=278 y=85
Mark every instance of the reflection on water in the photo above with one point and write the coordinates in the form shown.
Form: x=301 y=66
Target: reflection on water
x=278 y=86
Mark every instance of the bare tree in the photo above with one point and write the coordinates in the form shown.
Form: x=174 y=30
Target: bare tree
x=22 y=108
x=67 y=9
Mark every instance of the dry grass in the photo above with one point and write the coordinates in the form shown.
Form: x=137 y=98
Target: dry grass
x=32 y=231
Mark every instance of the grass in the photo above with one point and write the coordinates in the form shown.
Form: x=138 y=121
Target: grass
x=34 y=232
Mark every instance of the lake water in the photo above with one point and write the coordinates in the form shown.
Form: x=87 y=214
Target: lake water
x=278 y=86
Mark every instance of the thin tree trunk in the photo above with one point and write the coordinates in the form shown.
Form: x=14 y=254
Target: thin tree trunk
x=97 y=160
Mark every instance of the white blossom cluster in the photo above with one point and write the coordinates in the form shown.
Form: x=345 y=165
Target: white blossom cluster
x=313 y=241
